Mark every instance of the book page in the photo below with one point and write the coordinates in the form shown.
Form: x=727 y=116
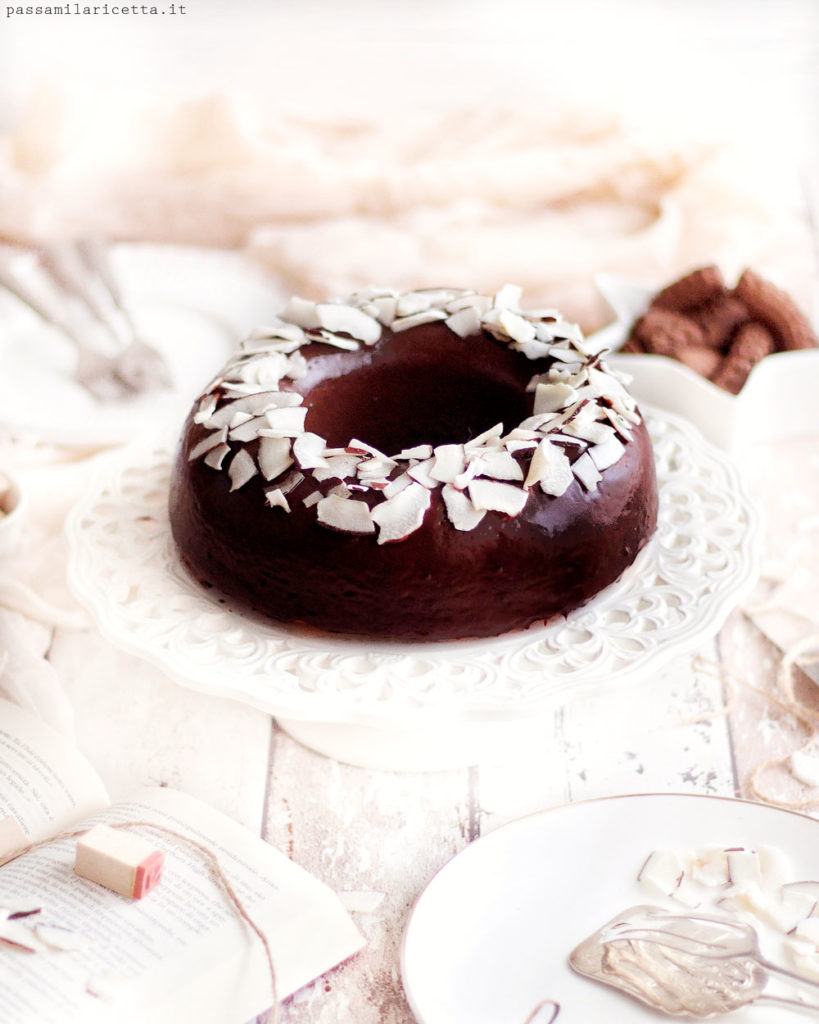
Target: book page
x=180 y=953
x=45 y=782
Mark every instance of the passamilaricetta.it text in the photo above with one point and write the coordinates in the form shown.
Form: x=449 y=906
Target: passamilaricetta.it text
x=174 y=8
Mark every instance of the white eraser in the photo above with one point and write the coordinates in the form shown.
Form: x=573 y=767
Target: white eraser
x=119 y=860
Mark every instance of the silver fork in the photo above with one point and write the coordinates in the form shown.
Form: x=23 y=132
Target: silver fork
x=83 y=270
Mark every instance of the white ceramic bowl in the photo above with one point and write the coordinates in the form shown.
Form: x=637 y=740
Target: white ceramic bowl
x=776 y=403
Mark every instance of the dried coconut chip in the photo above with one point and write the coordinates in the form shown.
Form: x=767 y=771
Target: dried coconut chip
x=401 y=515
x=413 y=302
x=309 y=450
x=348 y=320
x=397 y=485
x=404 y=323
x=550 y=468
x=275 y=498
x=553 y=398
x=422 y=474
x=449 y=461
x=497 y=497
x=465 y=322
x=216 y=457
x=274 y=456
x=338 y=467
x=606 y=454
x=586 y=472
x=286 y=422
x=459 y=509
x=242 y=468
x=207 y=443
x=498 y=464
x=345 y=514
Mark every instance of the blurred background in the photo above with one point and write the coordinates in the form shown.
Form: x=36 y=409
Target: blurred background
x=463 y=141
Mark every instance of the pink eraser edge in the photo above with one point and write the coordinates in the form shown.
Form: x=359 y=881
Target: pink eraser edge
x=148 y=874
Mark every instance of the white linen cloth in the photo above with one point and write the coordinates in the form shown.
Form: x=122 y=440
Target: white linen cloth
x=34 y=596
x=540 y=197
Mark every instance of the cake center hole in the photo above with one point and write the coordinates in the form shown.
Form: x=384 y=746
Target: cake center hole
x=401 y=405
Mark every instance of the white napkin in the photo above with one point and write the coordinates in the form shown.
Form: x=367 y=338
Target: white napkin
x=26 y=677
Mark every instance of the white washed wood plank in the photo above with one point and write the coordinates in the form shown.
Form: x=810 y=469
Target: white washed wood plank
x=639 y=738
x=535 y=778
x=363 y=830
x=138 y=728
x=760 y=730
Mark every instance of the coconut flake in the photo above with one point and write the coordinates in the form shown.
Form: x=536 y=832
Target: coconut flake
x=397 y=485
x=205 y=408
x=606 y=454
x=274 y=456
x=287 y=422
x=339 y=318
x=709 y=866
x=471 y=300
x=586 y=472
x=404 y=323
x=338 y=467
x=459 y=509
x=550 y=467
x=516 y=327
x=744 y=867
x=242 y=468
x=420 y=451
x=553 y=397
x=589 y=429
x=465 y=322
x=413 y=302
x=498 y=464
x=345 y=514
x=488 y=437
x=301 y=312
x=386 y=307
x=508 y=297
x=402 y=514
x=422 y=474
x=287 y=332
x=497 y=497
x=309 y=449
x=249 y=430
x=448 y=463
x=662 y=872
x=207 y=443
x=216 y=456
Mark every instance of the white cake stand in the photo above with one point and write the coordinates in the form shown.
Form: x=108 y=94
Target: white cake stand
x=419 y=706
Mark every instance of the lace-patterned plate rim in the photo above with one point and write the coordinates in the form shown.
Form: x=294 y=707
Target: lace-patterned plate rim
x=702 y=561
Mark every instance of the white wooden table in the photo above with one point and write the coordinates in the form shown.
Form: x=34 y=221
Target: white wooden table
x=386 y=833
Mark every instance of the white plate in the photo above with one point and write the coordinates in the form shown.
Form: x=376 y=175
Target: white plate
x=776 y=403
x=406 y=700
x=194 y=305
x=490 y=936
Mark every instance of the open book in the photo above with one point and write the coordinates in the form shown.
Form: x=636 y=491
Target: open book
x=180 y=953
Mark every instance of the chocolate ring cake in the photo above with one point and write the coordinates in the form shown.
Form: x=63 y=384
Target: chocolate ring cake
x=428 y=465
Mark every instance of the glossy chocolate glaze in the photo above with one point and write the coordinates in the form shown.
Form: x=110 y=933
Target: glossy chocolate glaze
x=425 y=385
